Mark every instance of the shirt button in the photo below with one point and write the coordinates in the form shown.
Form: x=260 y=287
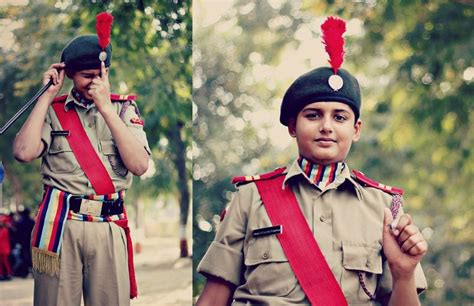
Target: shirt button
x=322 y=218
x=265 y=256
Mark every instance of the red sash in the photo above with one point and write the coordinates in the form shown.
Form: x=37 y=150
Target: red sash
x=83 y=150
x=131 y=269
x=95 y=171
x=298 y=243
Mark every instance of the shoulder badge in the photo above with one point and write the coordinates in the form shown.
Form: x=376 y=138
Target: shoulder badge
x=239 y=180
x=117 y=97
x=369 y=182
x=60 y=99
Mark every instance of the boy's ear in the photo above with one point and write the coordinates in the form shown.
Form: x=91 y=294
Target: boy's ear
x=292 y=127
x=358 y=128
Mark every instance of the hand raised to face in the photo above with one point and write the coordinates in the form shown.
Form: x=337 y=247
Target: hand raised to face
x=99 y=90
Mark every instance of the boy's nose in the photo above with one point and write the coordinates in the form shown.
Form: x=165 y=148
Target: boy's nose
x=326 y=125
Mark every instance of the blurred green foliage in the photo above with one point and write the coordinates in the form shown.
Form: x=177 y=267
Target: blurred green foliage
x=152 y=48
x=415 y=63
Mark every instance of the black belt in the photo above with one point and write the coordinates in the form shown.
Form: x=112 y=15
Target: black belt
x=109 y=208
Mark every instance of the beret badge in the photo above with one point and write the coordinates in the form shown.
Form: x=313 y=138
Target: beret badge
x=335 y=82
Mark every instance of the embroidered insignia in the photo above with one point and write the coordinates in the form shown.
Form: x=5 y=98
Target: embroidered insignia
x=137 y=121
x=117 y=97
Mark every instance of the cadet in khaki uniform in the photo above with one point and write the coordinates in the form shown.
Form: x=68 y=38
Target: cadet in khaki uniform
x=81 y=244
x=347 y=213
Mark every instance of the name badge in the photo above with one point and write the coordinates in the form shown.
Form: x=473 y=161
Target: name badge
x=267 y=231
x=60 y=133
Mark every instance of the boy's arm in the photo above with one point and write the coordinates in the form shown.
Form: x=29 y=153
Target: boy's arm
x=404 y=248
x=27 y=144
x=132 y=153
x=216 y=292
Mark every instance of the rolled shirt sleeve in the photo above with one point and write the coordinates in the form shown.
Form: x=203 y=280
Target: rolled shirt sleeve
x=132 y=119
x=224 y=258
x=46 y=132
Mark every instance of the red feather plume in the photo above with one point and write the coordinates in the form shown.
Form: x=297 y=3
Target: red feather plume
x=103 y=26
x=332 y=29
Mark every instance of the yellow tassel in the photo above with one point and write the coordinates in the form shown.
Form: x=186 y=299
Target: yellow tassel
x=45 y=262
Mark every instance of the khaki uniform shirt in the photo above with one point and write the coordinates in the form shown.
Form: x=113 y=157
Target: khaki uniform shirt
x=59 y=167
x=347 y=221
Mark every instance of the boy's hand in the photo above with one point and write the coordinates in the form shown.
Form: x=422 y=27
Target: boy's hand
x=404 y=246
x=55 y=72
x=100 y=89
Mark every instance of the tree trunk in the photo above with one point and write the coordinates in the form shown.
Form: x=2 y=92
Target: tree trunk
x=184 y=197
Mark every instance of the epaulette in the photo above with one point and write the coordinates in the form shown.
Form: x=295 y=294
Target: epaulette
x=239 y=180
x=117 y=97
x=371 y=183
x=60 y=99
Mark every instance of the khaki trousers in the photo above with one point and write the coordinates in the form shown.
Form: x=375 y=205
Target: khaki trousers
x=93 y=260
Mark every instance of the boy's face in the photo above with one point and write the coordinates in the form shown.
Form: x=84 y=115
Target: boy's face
x=83 y=79
x=324 y=131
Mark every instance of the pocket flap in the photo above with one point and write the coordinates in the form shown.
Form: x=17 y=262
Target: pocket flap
x=59 y=144
x=263 y=250
x=108 y=147
x=362 y=256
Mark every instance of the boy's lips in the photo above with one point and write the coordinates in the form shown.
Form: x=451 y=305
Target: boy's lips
x=325 y=139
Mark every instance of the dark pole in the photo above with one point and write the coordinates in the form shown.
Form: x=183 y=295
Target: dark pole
x=25 y=107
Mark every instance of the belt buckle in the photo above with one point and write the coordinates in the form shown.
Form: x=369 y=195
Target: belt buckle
x=90 y=207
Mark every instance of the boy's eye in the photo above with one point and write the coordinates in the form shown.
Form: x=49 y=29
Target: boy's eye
x=340 y=118
x=312 y=115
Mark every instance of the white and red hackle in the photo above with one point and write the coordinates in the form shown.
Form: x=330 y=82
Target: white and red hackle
x=332 y=30
x=103 y=27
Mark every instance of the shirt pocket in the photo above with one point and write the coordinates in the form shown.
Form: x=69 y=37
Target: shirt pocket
x=110 y=151
x=268 y=270
x=61 y=159
x=365 y=258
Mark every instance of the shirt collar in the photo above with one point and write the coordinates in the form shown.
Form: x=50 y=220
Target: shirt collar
x=71 y=99
x=345 y=177
x=320 y=176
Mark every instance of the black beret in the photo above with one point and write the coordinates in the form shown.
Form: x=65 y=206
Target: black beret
x=82 y=53
x=313 y=86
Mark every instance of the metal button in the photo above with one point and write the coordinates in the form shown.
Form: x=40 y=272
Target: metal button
x=265 y=255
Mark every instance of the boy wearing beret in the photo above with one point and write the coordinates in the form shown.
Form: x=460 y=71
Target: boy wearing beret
x=91 y=143
x=315 y=232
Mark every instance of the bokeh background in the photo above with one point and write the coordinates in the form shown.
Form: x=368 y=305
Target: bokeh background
x=414 y=61
x=152 y=48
